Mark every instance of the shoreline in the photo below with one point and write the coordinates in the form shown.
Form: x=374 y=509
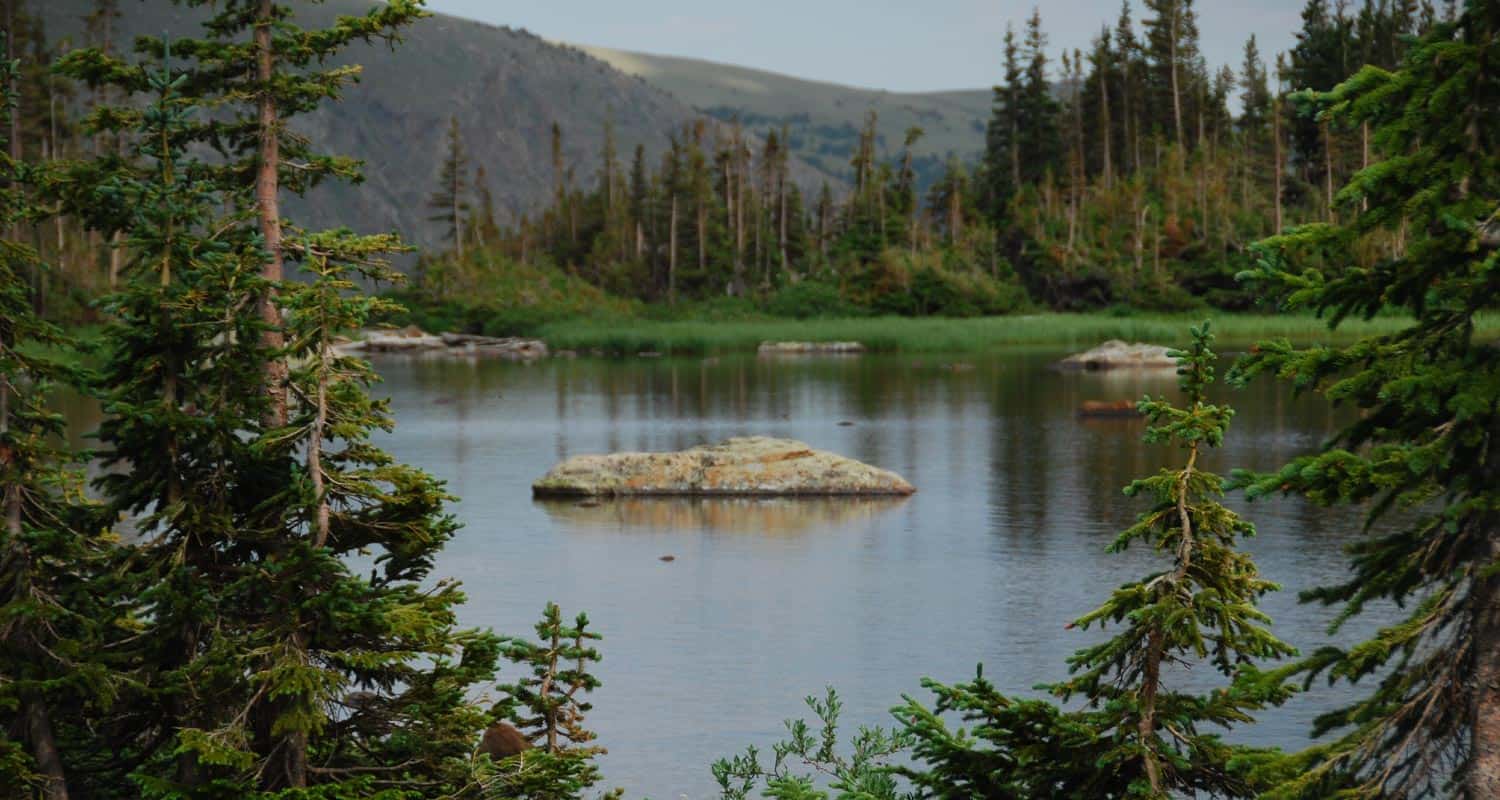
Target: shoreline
x=629 y=337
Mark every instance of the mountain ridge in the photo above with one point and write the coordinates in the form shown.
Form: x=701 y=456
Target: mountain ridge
x=823 y=117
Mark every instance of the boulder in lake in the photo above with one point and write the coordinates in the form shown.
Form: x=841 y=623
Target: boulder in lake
x=747 y=466
x=1115 y=354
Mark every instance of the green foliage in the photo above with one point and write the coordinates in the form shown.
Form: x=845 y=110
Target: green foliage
x=260 y=663
x=548 y=707
x=1135 y=737
x=56 y=606
x=1005 y=748
x=865 y=773
x=1422 y=455
x=809 y=299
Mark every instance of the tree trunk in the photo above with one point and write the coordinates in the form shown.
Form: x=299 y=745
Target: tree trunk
x=1483 y=778
x=1105 y=124
x=458 y=218
x=1176 y=90
x=44 y=750
x=672 y=256
x=1278 y=167
x=267 y=188
x=1146 y=728
x=781 y=215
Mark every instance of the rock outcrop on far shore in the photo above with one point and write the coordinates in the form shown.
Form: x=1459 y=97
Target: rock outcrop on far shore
x=414 y=340
x=747 y=466
x=809 y=348
x=1115 y=354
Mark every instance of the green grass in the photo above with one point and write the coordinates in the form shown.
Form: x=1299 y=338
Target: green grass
x=932 y=335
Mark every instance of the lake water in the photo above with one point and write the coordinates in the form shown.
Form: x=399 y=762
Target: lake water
x=768 y=601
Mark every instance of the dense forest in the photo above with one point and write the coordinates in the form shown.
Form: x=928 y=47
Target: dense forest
x=242 y=602
x=1119 y=176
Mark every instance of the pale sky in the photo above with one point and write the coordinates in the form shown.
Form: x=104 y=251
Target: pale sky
x=900 y=45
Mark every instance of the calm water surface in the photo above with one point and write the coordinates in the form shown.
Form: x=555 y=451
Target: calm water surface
x=769 y=601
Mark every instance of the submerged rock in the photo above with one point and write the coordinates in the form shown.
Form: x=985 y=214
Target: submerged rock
x=805 y=348
x=754 y=465
x=1115 y=354
x=1106 y=409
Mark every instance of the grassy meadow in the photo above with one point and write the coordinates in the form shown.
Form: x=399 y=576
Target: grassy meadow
x=939 y=335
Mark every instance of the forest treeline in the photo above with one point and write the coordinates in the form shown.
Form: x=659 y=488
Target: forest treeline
x=1113 y=176
x=243 y=601
x=1117 y=176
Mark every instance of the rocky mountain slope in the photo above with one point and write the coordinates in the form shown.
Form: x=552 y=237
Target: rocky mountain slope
x=823 y=118
x=506 y=87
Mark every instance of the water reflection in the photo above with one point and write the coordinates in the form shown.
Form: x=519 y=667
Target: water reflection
x=775 y=516
x=768 y=602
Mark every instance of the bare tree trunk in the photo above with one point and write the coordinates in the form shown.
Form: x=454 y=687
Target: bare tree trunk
x=1176 y=90
x=702 y=235
x=1278 y=166
x=267 y=187
x=1105 y=124
x=781 y=215
x=1140 y=234
x=458 y=219
x=672 y=256
x=739 y=211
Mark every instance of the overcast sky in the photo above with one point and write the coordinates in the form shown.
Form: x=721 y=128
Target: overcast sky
x=901 y=45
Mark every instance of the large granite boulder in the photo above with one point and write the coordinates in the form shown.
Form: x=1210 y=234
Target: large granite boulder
x=747 y=466
x=1115 y=354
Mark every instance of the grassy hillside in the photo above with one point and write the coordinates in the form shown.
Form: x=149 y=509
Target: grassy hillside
x=505 y=86
x=824 y=117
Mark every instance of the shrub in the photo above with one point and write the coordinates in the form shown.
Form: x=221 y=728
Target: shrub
x=810 y=298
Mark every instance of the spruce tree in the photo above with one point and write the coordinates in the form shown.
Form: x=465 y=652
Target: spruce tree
x=1424 y=453
x=1038 y=140
x=548 y=706
x=450 y=201
x=1136 y=737
x=55 y=606
x=270 y=665
x=1002 y=157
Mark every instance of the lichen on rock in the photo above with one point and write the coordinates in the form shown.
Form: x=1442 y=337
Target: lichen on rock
x=745 y=466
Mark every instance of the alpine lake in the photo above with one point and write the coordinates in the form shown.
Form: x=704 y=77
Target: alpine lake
x=766 y=601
